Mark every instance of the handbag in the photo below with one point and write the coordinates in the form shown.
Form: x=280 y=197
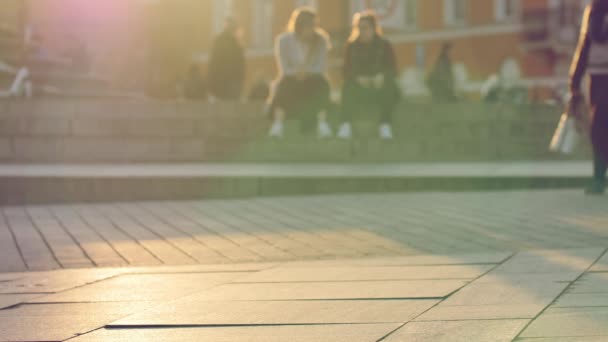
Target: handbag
x=567 y=136
x=572 y=127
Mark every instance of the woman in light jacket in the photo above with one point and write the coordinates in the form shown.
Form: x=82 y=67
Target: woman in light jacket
x=592 y=57
x=302 y=89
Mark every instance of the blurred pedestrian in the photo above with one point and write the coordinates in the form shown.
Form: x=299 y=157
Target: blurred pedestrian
x=370 y=73
x=592 y=57
x=227 y=63
x=441 y=78
x=302 y=89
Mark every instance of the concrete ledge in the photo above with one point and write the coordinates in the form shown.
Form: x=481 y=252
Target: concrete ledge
x=23 y=184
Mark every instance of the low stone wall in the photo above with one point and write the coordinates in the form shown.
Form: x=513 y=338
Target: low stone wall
x=58 y=130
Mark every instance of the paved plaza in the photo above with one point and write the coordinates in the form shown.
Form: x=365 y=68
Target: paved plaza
x=494 y=266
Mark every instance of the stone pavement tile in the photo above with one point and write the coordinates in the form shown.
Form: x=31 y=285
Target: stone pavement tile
x=529 y=277
x=362 y=273
x=196 y=313
x=551 y=261
x=591 y=283
x=141 y=287
x=481 y=312
x=570 y=322
x=10 y=300
x=459 y=331
x=507 y=293
x=32 y=246
x=425 y=260
x=330 y=290
x=301 y=333
x=570 y=300
x=54 y=281
x=59 y=322
x=565 y=339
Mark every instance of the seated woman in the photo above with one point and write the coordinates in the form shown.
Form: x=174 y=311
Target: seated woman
x=370 y=73
x=302 y=88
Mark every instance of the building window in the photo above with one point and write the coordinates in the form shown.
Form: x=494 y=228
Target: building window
x=455 y=11
x=262 y=30
x=506 y=10
x=410 y=9
x=393 y=15
x=307 y=3
x=221 y=10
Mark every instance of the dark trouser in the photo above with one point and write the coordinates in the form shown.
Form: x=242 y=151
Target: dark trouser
x=302 y=99
x=356 y=97
x=599 y=170
x=228 y=90
x=599 y=126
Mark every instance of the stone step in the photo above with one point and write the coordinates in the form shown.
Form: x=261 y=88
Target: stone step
x=119 y=131
x=40 y=184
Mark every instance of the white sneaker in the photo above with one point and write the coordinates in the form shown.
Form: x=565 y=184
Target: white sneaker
x=346 y=131
x=324 y=130
x=386 y=132
x=276 y=130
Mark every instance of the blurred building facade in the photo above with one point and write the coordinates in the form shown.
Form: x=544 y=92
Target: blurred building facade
x=161 y=38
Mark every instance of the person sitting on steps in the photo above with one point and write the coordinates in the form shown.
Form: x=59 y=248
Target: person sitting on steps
x=370 y=73
x=302 y=87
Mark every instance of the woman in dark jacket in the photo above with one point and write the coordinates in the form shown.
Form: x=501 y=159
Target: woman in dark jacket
x=370 y=74
x=592 y=57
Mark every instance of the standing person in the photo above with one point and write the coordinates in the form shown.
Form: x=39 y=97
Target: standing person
x=302 y=88
x=227 y=64
x=592 y=57
x=370 y=73
x=441 y=79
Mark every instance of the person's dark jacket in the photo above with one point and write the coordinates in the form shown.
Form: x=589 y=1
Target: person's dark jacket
x=369 y=59
x=226 y=66
x=594 y=30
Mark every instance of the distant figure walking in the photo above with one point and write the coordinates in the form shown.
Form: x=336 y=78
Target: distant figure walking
x=370 y=72
x=441 y=78
x=592 y=57
x=302 y=89
x=227 y=64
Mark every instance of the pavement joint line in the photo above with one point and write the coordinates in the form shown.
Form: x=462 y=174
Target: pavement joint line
x=195 y=209
x=448 y=296
x=64 y=228
x=235 y=226
x=287 y=237
x=349 y=281
x=83 y=334
x=44 y=240
x=116 y=226
x=98 y=234
x=258 y=325
x=140 y=223
x=303 y=218
x=564 y=291
x=14 y=238
x=195 y=326
x=192 y=236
